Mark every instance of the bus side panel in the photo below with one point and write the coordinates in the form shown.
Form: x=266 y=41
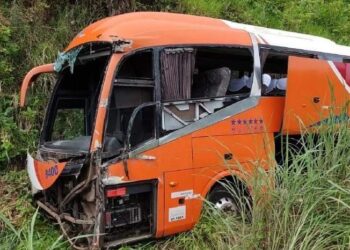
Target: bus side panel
x=249 y=150
x=178 y=212
x=229 y=151
x=313 y=93
x=265 y=117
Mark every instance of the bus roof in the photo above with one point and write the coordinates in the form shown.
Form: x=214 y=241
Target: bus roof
x=292 y=40
x=147 y=29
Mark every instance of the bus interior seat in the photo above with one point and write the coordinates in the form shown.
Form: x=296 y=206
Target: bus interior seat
x=209 y=84
x=212 y=83
x=240 y=85
x=274 y=86
x=282 y=84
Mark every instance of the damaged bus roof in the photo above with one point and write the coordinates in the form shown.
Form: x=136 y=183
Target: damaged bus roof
x=152 y=29
x=147 y=29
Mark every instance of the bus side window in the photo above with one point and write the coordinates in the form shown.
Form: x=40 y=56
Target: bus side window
x=274 y=73
x=199 y=81
x=221 y=72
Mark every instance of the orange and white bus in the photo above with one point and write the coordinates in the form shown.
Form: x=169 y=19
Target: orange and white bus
x=150 y=109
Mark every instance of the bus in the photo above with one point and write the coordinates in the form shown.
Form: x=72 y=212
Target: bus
x=152 y=112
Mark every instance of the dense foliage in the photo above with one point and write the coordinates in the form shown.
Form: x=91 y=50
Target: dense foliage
x=33 y=31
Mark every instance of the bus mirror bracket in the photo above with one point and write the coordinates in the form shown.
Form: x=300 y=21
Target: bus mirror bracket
x=30 y=77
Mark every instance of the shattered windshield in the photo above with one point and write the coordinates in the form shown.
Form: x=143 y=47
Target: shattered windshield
x=71 y=113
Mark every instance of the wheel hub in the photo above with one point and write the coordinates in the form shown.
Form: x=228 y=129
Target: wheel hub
x=226 y=204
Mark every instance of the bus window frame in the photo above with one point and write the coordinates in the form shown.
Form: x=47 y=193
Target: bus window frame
x=247 y=103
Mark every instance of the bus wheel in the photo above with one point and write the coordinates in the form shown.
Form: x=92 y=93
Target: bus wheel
x=231 y=201
x=223 y=200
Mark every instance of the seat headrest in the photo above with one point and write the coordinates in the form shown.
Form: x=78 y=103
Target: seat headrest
x=239 y=83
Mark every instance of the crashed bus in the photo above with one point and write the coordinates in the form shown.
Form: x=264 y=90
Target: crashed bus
x=150 y=109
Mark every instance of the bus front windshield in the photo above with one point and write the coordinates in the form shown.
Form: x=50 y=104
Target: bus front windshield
x=70 y=117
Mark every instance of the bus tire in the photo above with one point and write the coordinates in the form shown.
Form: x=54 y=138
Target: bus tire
x=230 y=200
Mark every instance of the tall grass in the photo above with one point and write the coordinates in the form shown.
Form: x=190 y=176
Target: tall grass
x=28 y=237
x=309 y=207
x=21 y=227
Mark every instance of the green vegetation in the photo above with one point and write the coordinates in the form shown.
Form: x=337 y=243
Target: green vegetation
x=318 y=17
x=309 y=209
x=20 y=225
x=31 y=33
